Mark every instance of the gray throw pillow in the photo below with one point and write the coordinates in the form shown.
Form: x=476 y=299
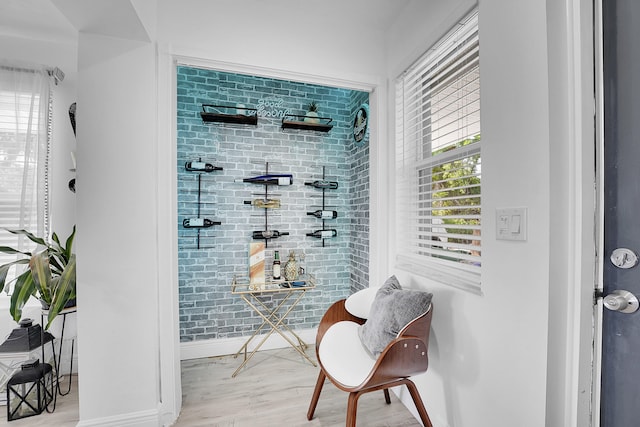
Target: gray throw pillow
x=392 y=309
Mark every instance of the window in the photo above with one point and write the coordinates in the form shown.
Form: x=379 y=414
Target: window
x=24 y=150
x=438 y=162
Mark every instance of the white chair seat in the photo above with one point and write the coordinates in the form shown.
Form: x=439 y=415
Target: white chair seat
x=359 y=304
x=343 y=355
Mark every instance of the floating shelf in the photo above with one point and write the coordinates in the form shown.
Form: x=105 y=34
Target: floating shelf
x=292 y=121
x=223 y=114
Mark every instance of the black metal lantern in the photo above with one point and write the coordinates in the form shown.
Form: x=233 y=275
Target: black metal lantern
x=30 y=390
x=25 y=338
x=25 y=343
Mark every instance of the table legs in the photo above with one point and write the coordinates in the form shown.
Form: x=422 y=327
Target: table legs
x=275 y=320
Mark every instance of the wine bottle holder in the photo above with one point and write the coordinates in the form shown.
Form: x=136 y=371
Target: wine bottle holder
x=325 y=215
x=197 y=222
x=200 y=166
x=267 y=203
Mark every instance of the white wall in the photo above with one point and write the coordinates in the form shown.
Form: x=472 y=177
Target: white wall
x=489 y=353
x=116 y=205
x=330 y=39
x=116 y=242
x=119 y=187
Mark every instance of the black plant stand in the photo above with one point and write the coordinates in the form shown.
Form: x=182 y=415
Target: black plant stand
x=57 y=361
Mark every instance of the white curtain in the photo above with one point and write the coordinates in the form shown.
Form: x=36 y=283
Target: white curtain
x=25 y=96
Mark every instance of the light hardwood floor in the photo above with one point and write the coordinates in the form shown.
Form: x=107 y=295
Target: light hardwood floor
x=64 y=415
x=273 y=390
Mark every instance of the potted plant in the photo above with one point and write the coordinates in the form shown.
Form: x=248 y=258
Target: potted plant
x=312 y=114
x=50 y=276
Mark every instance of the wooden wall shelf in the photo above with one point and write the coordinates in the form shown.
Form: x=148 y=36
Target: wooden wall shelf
x=227 y=114
x=292 y=121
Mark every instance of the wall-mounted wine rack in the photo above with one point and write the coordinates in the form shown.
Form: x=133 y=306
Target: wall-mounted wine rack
x=267 y=180
x=198 y=222
x=323 y=213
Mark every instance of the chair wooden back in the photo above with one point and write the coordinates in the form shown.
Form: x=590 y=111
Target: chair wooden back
x=419 y=327
x=404 y=356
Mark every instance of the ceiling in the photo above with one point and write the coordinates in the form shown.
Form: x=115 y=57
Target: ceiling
x=35 y=19
x=60 y=20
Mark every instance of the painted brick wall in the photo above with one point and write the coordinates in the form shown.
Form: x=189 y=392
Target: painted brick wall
x=359 y=204
x=208 y=310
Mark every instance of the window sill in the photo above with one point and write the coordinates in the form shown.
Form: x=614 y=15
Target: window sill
x=470 y=283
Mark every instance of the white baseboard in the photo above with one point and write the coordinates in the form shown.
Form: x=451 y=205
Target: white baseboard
x=148 y=418
x=226 y=346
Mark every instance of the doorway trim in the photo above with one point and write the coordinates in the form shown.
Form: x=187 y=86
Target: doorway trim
x=571 y=333
x=598 y=37
x=168 y=60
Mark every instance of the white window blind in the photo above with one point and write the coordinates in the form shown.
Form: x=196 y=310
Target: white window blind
x=25 y=97
x=438 y=163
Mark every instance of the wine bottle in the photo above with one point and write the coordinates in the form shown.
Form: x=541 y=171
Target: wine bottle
x=276 y=266
x=324 y=214
x=323 y=234
x=272 y=179
x=268 y=234
x=201 y=167
x=264 y=203
x=199 y=223
x=331 y=185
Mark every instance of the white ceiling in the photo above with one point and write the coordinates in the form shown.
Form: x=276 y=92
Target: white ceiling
x=116 y=18
x=60 y=20
x=35 y=19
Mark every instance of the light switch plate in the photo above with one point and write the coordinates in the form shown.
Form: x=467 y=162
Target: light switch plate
x=511 y=224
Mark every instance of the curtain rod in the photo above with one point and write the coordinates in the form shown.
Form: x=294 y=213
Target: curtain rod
x=56 y=73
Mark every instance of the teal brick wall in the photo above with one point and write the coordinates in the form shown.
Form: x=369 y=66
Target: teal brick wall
x=208 y=310
x=359 y=203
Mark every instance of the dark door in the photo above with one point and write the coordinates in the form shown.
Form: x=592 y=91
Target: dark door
x=620 y=401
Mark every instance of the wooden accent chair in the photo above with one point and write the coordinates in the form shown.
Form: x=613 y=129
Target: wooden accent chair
x=348 y=365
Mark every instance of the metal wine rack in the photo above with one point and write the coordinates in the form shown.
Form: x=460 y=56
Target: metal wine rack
x=324 y=207
x=199 y=204
x=266 y=194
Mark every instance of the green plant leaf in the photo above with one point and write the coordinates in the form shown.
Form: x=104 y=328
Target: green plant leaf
x=4 y=270
x=8 y=250
x=56 y=246
x=69 y=243
x=23 y=290
x=57 y=261
x=65 y=290
x=41 y=273
x=49 y=276
x=30 y=236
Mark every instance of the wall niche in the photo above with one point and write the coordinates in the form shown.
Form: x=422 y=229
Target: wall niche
x=208 y=310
